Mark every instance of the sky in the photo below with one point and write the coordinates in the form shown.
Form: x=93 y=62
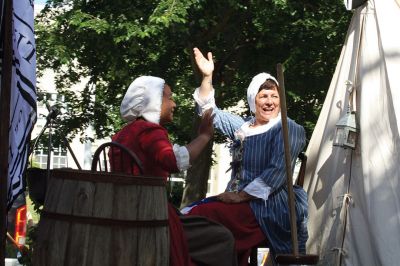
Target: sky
x=39 y=4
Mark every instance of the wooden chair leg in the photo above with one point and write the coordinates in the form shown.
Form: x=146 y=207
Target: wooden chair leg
x=253 y=257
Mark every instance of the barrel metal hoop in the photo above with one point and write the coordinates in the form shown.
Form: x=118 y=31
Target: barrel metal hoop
x=104 y=177
x=103 y=221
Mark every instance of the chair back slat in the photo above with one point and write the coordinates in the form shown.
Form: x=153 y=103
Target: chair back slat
x=105 y=162
x=300 y=177
x=112 y=157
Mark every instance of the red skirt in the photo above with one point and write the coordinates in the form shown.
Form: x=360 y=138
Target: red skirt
x=239 y=219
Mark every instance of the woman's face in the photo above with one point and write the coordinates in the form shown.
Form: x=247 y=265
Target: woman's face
x=267 y=106
x=167 y=106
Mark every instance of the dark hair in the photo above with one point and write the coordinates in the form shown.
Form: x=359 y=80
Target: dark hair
x=269 y=84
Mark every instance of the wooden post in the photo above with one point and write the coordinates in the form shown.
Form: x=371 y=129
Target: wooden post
x=5 y=120
x=289 y=177
x=295 y=257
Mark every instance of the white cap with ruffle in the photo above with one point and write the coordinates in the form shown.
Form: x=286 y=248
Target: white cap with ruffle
x=143 y=98
x=254 y=86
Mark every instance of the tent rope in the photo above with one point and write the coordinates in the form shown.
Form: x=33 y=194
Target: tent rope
x=347 y=201
x=341 y=251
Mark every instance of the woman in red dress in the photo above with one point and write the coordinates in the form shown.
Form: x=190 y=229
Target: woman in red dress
x=147 y=105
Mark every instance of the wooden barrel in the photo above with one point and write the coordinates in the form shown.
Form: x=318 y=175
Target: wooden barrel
x=97 y=218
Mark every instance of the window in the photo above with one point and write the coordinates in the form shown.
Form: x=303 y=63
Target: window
x=41 y=158
x=58 y=158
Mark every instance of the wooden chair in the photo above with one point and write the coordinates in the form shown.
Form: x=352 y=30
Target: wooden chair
x=115 y=157
x=299 y=181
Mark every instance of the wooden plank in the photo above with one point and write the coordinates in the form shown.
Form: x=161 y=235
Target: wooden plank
x=100 y=248
x=77 y=246
x=60 y=236
x=46 y=228
x=124 y=240
x=150 y=209
x=162 y=233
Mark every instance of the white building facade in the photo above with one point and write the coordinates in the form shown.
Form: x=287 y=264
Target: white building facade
x=60 y=156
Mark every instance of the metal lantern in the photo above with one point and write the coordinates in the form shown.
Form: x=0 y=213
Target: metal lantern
x=346 y=131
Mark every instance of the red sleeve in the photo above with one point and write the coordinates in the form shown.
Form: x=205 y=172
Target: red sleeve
x=156 y=145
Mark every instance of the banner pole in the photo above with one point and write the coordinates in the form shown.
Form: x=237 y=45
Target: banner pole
x=5 y=120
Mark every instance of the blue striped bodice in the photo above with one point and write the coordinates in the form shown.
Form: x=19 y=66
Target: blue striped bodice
x=263 y=157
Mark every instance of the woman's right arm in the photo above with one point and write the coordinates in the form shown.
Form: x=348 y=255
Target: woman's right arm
x=206 y=67
x=226 y=122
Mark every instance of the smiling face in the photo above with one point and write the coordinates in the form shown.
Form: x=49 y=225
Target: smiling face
x=267 y=104
x=167 y=106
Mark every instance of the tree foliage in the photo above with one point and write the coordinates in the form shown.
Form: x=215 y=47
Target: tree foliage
x=113 y=41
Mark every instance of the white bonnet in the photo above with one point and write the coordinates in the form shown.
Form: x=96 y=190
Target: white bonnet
x=254 y=86
x=143 y=98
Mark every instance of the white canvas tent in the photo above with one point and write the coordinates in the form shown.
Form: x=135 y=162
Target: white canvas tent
x=354 y=196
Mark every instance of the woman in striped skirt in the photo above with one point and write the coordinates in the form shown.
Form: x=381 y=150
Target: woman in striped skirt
x=254 y=206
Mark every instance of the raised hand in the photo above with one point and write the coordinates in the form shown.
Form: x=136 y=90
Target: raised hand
x=205 y=65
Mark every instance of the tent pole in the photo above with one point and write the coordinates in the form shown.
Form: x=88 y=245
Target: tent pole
x=5 y=116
